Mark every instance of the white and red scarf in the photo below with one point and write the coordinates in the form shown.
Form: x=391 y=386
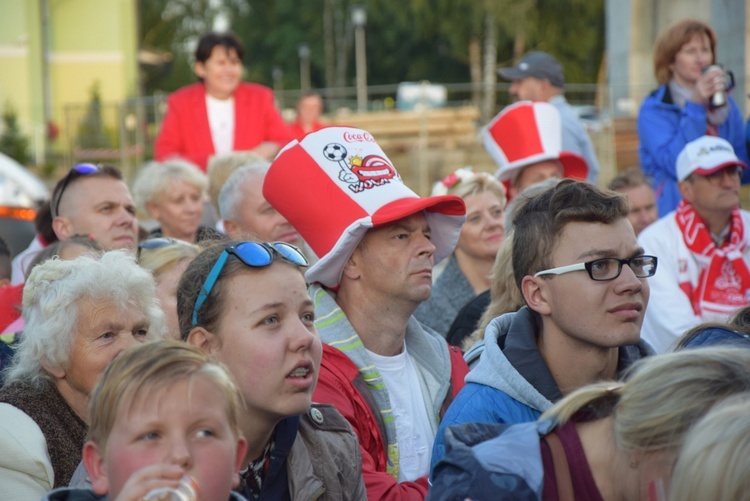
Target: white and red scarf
x=724 y=276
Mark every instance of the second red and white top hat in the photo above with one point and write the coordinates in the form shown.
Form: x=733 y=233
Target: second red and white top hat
x=528 y=132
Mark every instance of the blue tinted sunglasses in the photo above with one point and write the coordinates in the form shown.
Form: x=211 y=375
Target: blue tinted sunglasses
x=254 y=255
x=74 y=173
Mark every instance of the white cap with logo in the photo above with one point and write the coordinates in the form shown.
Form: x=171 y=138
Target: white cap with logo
x=706 y=155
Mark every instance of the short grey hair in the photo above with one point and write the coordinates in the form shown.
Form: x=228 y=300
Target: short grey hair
x=231 y=193
x=51 y=301
x=154 y=178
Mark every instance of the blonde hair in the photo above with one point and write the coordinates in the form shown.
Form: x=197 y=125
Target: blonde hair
x=506 y=297
x=220 y=167
x=465 y=182
x=715 y=459
x=662 y=397
x=144 y=370
x=155 y=177
x=161 y=259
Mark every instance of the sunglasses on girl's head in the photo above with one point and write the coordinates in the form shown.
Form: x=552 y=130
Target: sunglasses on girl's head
x=158 y=243
x=74 y=173
x=252 y=254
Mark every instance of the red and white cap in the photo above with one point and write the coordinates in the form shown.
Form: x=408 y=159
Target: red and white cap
x=705 y=156
x=528 y=132
x=335 y=184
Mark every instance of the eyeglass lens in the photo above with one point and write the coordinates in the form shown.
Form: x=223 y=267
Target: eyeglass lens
x=610 y=268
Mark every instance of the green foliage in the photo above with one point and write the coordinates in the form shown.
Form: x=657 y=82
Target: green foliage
x=406 y=40
x=12 y=142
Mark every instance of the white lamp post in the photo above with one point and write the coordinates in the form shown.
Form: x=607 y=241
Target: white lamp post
x=359 y=20
x=304 y=67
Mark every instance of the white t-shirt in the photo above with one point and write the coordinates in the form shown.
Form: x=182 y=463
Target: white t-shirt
x=221 y=123
x=414 y=432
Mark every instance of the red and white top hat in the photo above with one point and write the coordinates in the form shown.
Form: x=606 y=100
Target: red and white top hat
x=528 y=132
x=335 y=184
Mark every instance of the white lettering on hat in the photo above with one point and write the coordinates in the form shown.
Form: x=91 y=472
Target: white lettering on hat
x=523 y=66
x=351 y=137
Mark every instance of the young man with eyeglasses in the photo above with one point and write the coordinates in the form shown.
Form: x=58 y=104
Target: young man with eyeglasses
x=584 y=280
x=94 y=200
x=703 y=246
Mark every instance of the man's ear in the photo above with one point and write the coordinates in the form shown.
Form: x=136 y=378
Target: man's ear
x=231 y=228
x=686 y=190
x=352 y=270
x=241 y=452
x=202 y=339
x=94 y=464
x=63 y=227
x=535 y=291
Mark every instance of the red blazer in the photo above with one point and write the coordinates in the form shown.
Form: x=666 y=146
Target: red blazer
x=185 y=132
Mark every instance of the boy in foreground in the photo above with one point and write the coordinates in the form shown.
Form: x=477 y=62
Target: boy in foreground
x=162 y=415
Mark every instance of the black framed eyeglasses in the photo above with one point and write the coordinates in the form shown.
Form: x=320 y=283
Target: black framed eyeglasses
x=252 y=254
x=608 y=268
x=74 y=173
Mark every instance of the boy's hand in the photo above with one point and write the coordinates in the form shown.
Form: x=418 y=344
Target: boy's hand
x=149 y=478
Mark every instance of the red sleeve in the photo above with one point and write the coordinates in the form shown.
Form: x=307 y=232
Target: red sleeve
x=459 y=369
x=335 y=387
x=276 y=129
x=185 y=132
x=11 y=297
x=168 y=142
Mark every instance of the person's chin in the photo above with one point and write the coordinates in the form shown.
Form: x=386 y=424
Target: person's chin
x=123 y=243
x=291 y=237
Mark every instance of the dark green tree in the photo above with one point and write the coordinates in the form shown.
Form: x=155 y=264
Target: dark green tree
x=12 y=142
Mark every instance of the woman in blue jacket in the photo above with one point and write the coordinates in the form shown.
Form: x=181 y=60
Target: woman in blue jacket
x=680 y=110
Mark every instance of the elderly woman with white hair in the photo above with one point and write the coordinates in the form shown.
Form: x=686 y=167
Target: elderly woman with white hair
x=467 y=272
x=172 y=193
x=79 y=315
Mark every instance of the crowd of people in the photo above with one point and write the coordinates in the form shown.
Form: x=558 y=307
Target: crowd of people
x=332 y=335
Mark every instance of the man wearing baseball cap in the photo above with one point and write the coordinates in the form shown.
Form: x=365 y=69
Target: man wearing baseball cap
x=539 y=77
x=703 y=246
x=525 y=141
x=377 y=241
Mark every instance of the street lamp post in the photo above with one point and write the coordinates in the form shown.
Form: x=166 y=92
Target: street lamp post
x=304 y=67
x=277 y=74
x=359 y=20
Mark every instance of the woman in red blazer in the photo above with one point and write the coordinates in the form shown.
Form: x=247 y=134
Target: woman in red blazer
x=220 y=113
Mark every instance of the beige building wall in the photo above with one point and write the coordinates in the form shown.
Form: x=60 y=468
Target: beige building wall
x=89 y=42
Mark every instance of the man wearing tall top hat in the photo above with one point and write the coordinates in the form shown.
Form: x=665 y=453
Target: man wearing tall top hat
x=377 y=241
x=539 y=77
